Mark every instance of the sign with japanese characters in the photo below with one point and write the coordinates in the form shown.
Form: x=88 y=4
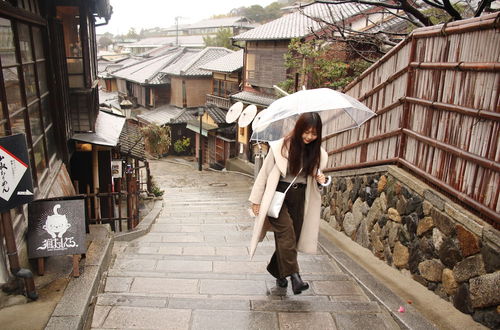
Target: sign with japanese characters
x=56 y=227
x=16 y=185
x=116 y=169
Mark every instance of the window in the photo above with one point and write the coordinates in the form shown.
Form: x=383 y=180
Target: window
x=70 y=17
x=24 y=100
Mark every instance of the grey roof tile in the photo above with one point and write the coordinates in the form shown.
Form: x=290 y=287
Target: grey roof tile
x=190 y=66
x=228 y=63
x=186 y=116
x=131 y=141
x=217 y=114
x=161 y=115
x=193 y=41
x=298 y=25
x=258 y=99
x=145 y=71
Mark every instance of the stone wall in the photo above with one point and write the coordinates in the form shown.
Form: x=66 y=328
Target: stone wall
x=419 y=231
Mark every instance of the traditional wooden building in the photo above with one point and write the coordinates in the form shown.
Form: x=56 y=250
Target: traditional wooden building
x=226 y=81
x=266 y=45
x=143 y=83
x=48 y=91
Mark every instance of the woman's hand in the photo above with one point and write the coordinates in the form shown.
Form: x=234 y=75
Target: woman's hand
x=320 y=178
x=256 y=209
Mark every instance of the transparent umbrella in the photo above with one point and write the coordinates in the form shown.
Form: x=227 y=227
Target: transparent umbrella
x=339 y=112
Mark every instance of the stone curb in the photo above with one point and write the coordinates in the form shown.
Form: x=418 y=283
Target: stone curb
x=72 y=310
x=144 y=226
x=410 y=319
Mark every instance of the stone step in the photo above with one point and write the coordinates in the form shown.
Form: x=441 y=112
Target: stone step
x=289 y=305
x=119 y=273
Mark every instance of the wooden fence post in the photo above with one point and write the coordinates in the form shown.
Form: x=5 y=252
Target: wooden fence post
x=129 y=201
x=148 y=177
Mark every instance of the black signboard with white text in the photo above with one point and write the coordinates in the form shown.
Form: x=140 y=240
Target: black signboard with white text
x=56 y=227
x=16 y=185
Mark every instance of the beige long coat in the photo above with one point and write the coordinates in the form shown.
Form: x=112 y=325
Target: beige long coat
x=275 y=165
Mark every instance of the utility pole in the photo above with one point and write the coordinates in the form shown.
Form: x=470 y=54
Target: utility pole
x=177 y=30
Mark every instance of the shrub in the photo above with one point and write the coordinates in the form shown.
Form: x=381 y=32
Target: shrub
x=182 y=145
x=158 y=138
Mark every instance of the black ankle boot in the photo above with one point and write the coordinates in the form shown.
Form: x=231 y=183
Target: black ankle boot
x=297 y=284
x=282 y=282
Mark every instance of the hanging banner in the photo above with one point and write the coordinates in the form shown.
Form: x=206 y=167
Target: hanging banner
x=56 y=227
x=16 y=185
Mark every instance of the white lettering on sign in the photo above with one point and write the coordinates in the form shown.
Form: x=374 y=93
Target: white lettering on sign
x=11 y=172
x=57 y=225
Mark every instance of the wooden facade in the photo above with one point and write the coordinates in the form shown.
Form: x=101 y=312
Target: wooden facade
x=436 y=95
x=264 y=63
x=48 y=91
x=189 y=92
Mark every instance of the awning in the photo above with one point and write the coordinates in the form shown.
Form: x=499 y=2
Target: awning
x=194 y=125
x=107 y=130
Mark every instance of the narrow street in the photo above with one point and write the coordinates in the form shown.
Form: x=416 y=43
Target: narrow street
x=192 y=271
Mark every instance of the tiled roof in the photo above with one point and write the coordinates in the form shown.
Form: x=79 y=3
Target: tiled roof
x=228 y=63
x=108 y=128
x=217 y=114
x=258 y=99
x=191 y=66
x=215 y=22
x=161 y=115
x=184 y=117
x=298 y=25
x=194 y=41
x=220 y=22
x=146 y=71
x=131 y=141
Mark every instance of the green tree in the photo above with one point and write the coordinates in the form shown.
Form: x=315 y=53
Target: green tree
x=105 y=40
x=316 y=65
x=221 y=39
x=132 y=34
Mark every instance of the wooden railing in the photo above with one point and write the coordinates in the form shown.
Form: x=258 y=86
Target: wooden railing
x=436 y=96
x=121 y=203
x=221 y=102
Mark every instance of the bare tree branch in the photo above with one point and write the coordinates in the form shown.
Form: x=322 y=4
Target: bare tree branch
x=408 y=8
x=482 y=6
x=434 y=4
x=451 y=10
x=363 y=2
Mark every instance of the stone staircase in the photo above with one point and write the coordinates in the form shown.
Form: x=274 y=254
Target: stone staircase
x=192 y=271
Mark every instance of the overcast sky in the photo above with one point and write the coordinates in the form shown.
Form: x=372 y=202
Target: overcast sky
x=162 y=13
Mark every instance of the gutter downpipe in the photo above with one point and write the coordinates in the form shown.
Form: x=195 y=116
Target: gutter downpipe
x=15 y=268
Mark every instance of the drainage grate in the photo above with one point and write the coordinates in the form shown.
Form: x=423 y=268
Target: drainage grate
x=217 y=184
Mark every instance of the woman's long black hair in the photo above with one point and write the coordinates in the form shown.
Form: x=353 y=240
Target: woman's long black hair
x=300 y=154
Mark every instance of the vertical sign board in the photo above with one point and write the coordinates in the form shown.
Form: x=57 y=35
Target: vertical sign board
x=116 y=169
x=16 y=185
x=56 y=227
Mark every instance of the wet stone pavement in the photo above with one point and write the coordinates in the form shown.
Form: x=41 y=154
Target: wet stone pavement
x=192 y=271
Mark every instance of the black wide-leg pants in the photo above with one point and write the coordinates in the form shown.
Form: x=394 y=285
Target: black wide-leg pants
x=287 y=229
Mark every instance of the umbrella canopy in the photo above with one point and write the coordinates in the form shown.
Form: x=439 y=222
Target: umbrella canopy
x=338 y=111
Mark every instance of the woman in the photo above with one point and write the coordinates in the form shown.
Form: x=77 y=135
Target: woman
x=298 y=156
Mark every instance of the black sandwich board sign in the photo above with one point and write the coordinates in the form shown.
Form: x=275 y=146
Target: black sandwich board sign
x=16 y=185
x=56 y=227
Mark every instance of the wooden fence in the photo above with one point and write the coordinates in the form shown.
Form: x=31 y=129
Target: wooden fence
x=436 y=96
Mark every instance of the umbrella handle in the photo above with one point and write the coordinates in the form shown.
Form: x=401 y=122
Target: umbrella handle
x=328 y=181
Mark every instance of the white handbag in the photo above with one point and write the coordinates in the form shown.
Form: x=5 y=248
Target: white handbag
x=277 y=202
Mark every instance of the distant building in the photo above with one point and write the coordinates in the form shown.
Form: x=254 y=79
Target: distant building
x=236 y=25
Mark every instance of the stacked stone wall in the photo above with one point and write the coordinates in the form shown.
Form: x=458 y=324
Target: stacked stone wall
x=419 y=231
